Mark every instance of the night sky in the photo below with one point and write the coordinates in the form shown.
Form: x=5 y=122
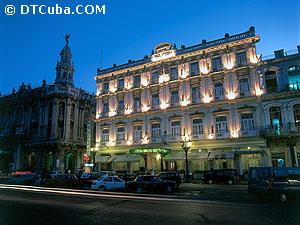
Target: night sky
x=30 y=45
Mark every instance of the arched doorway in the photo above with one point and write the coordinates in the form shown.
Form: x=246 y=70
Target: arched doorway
x=275 y=119
x=69 y=162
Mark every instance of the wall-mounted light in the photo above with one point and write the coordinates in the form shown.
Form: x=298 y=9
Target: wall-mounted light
x=234 y=134
x=128 y=111
x=164 y=105
x=210 y=136
x=145 y=108
x=206 y=99
x=258 y=92
x=129 y=142
x=231 y=95
x=112 y=113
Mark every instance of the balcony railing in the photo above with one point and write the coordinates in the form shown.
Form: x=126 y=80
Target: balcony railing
x=284 y=130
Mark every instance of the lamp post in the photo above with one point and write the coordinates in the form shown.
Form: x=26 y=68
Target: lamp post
x=186 y=146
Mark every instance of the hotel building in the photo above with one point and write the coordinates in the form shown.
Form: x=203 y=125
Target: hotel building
x=231 y=108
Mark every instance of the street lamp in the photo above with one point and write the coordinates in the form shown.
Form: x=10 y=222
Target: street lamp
x=186 y=146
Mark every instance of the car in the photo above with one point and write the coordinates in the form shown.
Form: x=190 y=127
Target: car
x=283 y=183
x=109 y=183
x=63 y=180
x=227 y=176
x=151 y=183
x=106 y=173
x=170 y=176
x=86 y=179
x=27 y=179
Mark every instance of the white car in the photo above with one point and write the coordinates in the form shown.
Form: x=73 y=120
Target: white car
x=109 y=183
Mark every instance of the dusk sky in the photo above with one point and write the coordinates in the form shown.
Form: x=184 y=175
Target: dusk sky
x=30 y=45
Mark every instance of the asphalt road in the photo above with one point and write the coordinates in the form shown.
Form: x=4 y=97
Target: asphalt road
x=27 y=206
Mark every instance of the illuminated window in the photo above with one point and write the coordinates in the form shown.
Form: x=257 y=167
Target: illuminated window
x=105 y=107
x=137 y=133
x=194 y=67
x=217 y=64
x=219 y=90
x=297 y=114
x=137 y=105
x=275 y=118
x=105 y=135
x=105 y=88
x=155 y=132
x=173 y=73
x=137 y=81
x=155 y=101
x=195 y=94
x=294 y=77
x=247 y=122
x=197 y=127
x=121 y=84
x=243 y=86
x=241 y=58
x=154 y=77
x=121 y=107
x=175 y=129
x=221 y=125
x=174 y=98
x=120 y=134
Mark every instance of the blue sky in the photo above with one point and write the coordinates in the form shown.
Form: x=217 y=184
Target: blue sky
x=30 y=44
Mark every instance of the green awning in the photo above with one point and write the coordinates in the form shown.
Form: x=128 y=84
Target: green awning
x=149 y=150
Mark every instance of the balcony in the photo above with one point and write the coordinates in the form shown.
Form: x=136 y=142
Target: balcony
x=197 y=137
x=222 y=134
x=248 y=133
x=284 y=130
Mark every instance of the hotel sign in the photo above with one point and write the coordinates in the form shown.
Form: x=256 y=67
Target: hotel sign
x=163 y=55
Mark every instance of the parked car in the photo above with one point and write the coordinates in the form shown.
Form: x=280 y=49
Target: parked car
x=151 y=183
x=227 y=176
x=63 y=180
x=109 y=183
x=281 y=183
x=87 y=178
x=171 y=176
x=27 y=179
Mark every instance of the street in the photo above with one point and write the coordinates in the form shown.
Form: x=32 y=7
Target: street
x=34 y=205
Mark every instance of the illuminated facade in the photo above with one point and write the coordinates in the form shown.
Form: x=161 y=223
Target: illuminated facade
x=213 y=94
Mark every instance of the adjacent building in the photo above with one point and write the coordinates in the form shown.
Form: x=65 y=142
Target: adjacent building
x=231 y=107
x=49 y=127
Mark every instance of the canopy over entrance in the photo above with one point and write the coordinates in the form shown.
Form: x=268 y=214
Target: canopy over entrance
x=162 y=151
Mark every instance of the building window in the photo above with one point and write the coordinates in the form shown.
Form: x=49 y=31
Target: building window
x=120 y=134
x=241 y=58
x=247 y=122
x=105 y=107
x=137 y=81
x=137 y=105
x=173 y=73
x=297 y=114
x=155 y=101
x=155 y=131
x=174 y=98
x=137 y=133
x=221 y=125
x=105 y=88
x=217 y=64
x=197 y=127
x=275 y=118
x=271 y=81
x=121 y=84
x=175 y=129
x=294 y=77
x=154 y=77
x=105 y=135
x=121 y=107
x=194 y=68
x=219 y=90
x=195 y=94
x=243 y=86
